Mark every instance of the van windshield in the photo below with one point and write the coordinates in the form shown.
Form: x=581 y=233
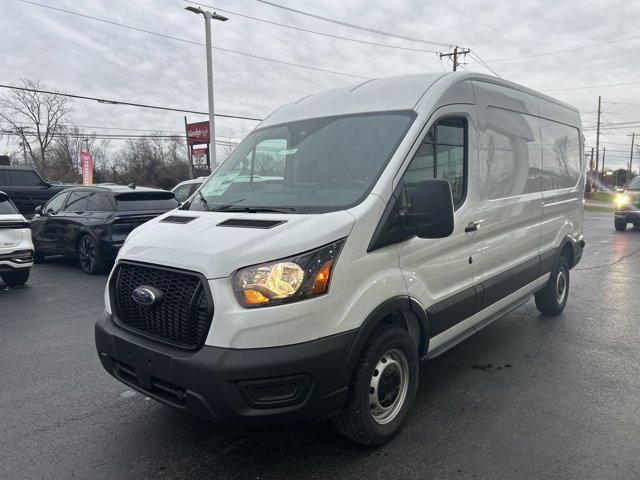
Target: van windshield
x=309 y=166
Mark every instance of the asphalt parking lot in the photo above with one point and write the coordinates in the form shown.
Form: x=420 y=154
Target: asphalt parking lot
x=528 y=397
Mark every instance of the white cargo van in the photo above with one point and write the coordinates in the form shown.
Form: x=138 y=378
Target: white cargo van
x=353 y=234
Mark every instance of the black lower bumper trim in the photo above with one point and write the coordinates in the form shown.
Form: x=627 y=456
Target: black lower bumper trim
x=262 y=386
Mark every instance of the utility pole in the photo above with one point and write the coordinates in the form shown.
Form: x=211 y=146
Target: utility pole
x=591 y=168
x=455 y=55
x=633 y=137
x=189 y=159
x=604 y=172
x=598 y=138
x=208 y=16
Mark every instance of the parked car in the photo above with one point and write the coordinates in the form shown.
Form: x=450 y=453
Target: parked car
x=16 y=249
x=390 y=221
x=26 y=188
x=628 y=206
x=185 y=189
x=92 y=223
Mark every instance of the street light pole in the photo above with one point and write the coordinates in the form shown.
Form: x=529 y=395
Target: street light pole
x=208 y=16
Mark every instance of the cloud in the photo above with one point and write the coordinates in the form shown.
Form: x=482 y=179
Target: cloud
x=83 y=56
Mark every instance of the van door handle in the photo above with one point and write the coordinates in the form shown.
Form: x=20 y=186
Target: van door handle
x=472 y=227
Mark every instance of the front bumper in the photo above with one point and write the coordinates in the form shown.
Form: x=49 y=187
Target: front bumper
x=628 y=215
x=260 y=386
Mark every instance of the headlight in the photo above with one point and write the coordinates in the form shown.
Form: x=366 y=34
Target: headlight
x=288 y=280
x=621 y=199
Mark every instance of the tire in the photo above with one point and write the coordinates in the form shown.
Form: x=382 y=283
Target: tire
x=366 y=418
x=38 y=257
x=89 y=256
x=552 y=299
x=621 y=225
x=16 y=277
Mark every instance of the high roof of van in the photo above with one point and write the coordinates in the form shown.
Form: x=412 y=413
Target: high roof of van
x=418 y=92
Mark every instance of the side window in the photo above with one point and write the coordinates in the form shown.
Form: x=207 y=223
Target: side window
x=2 y=180
x=560 y=155
x=99 y=202
x=441 y=154
x=25 y=178
x=182 y=192
x=55 y=204
x=510 y=154
x=78 y=201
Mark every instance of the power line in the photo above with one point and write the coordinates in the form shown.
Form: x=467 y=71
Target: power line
x=178 y=39
x=555 y=52
x=593 y=86
x=324 y=34
x=484 y=64
x=358 y=27
x=131 y=104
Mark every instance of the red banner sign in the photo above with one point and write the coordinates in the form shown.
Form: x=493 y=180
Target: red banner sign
x=197 y=133
x=86 y=161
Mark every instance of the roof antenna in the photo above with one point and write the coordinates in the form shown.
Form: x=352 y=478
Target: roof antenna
x=132 y=186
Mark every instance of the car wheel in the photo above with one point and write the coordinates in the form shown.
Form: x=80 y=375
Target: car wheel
x=89 y=256
x=16 y=277
x=552 y=299
x=382 y=389
x=621 y=225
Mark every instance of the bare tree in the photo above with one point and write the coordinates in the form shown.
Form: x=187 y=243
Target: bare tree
x=35 y=118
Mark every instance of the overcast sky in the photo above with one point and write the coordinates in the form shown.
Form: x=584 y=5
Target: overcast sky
x=84 y=56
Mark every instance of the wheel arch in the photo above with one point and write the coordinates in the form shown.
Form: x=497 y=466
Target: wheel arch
x=401 y=310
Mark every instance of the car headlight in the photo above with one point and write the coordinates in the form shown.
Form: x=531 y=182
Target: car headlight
x=288 y=280
x=621 y=199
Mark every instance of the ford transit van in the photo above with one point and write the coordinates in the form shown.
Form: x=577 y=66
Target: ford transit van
x=352 y=235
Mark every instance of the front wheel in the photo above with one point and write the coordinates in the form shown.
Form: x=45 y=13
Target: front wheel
x=16 y=277
x=621 y=225
x=552 y=299
x=382 y=388
x=89 y=256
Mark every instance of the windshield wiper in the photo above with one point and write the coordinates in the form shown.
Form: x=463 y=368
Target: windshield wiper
x=224 y=206
x=250 y=209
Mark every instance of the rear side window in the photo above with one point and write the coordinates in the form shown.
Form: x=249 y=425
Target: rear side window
x=24 y=178
x=2 y=180
x=146 y=201
x=560 y=155
x=99 y=202
x=442 y=154
x=78 y=201
x=6 y=206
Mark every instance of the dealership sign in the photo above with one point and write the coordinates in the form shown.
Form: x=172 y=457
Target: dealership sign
x=86 y=161
x=197 y=133
x=199 y=156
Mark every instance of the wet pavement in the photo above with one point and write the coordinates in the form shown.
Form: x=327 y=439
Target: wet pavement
x=527 y=397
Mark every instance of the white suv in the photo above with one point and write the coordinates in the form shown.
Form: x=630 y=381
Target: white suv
x=16 y=248
x=351 y=235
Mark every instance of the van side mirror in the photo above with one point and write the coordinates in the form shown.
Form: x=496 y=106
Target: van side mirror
x=430 y=210
x=38 y=210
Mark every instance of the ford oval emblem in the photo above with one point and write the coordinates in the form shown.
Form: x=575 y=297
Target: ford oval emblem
x=147 y=296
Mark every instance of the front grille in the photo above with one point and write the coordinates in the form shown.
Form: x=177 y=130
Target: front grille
x=183 y=315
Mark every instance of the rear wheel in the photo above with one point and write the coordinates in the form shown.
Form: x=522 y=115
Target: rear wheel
x=621 y=225
x=552 y=299
x=16 y=277
x=382 y=388
x=89 y=256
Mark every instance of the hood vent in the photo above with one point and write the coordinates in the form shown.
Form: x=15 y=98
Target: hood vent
x=248 y=223
x=177 y=219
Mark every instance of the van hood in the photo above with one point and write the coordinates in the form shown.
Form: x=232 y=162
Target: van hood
x=216 y=251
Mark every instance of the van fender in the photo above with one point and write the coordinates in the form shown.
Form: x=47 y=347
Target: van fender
x=413 y=315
